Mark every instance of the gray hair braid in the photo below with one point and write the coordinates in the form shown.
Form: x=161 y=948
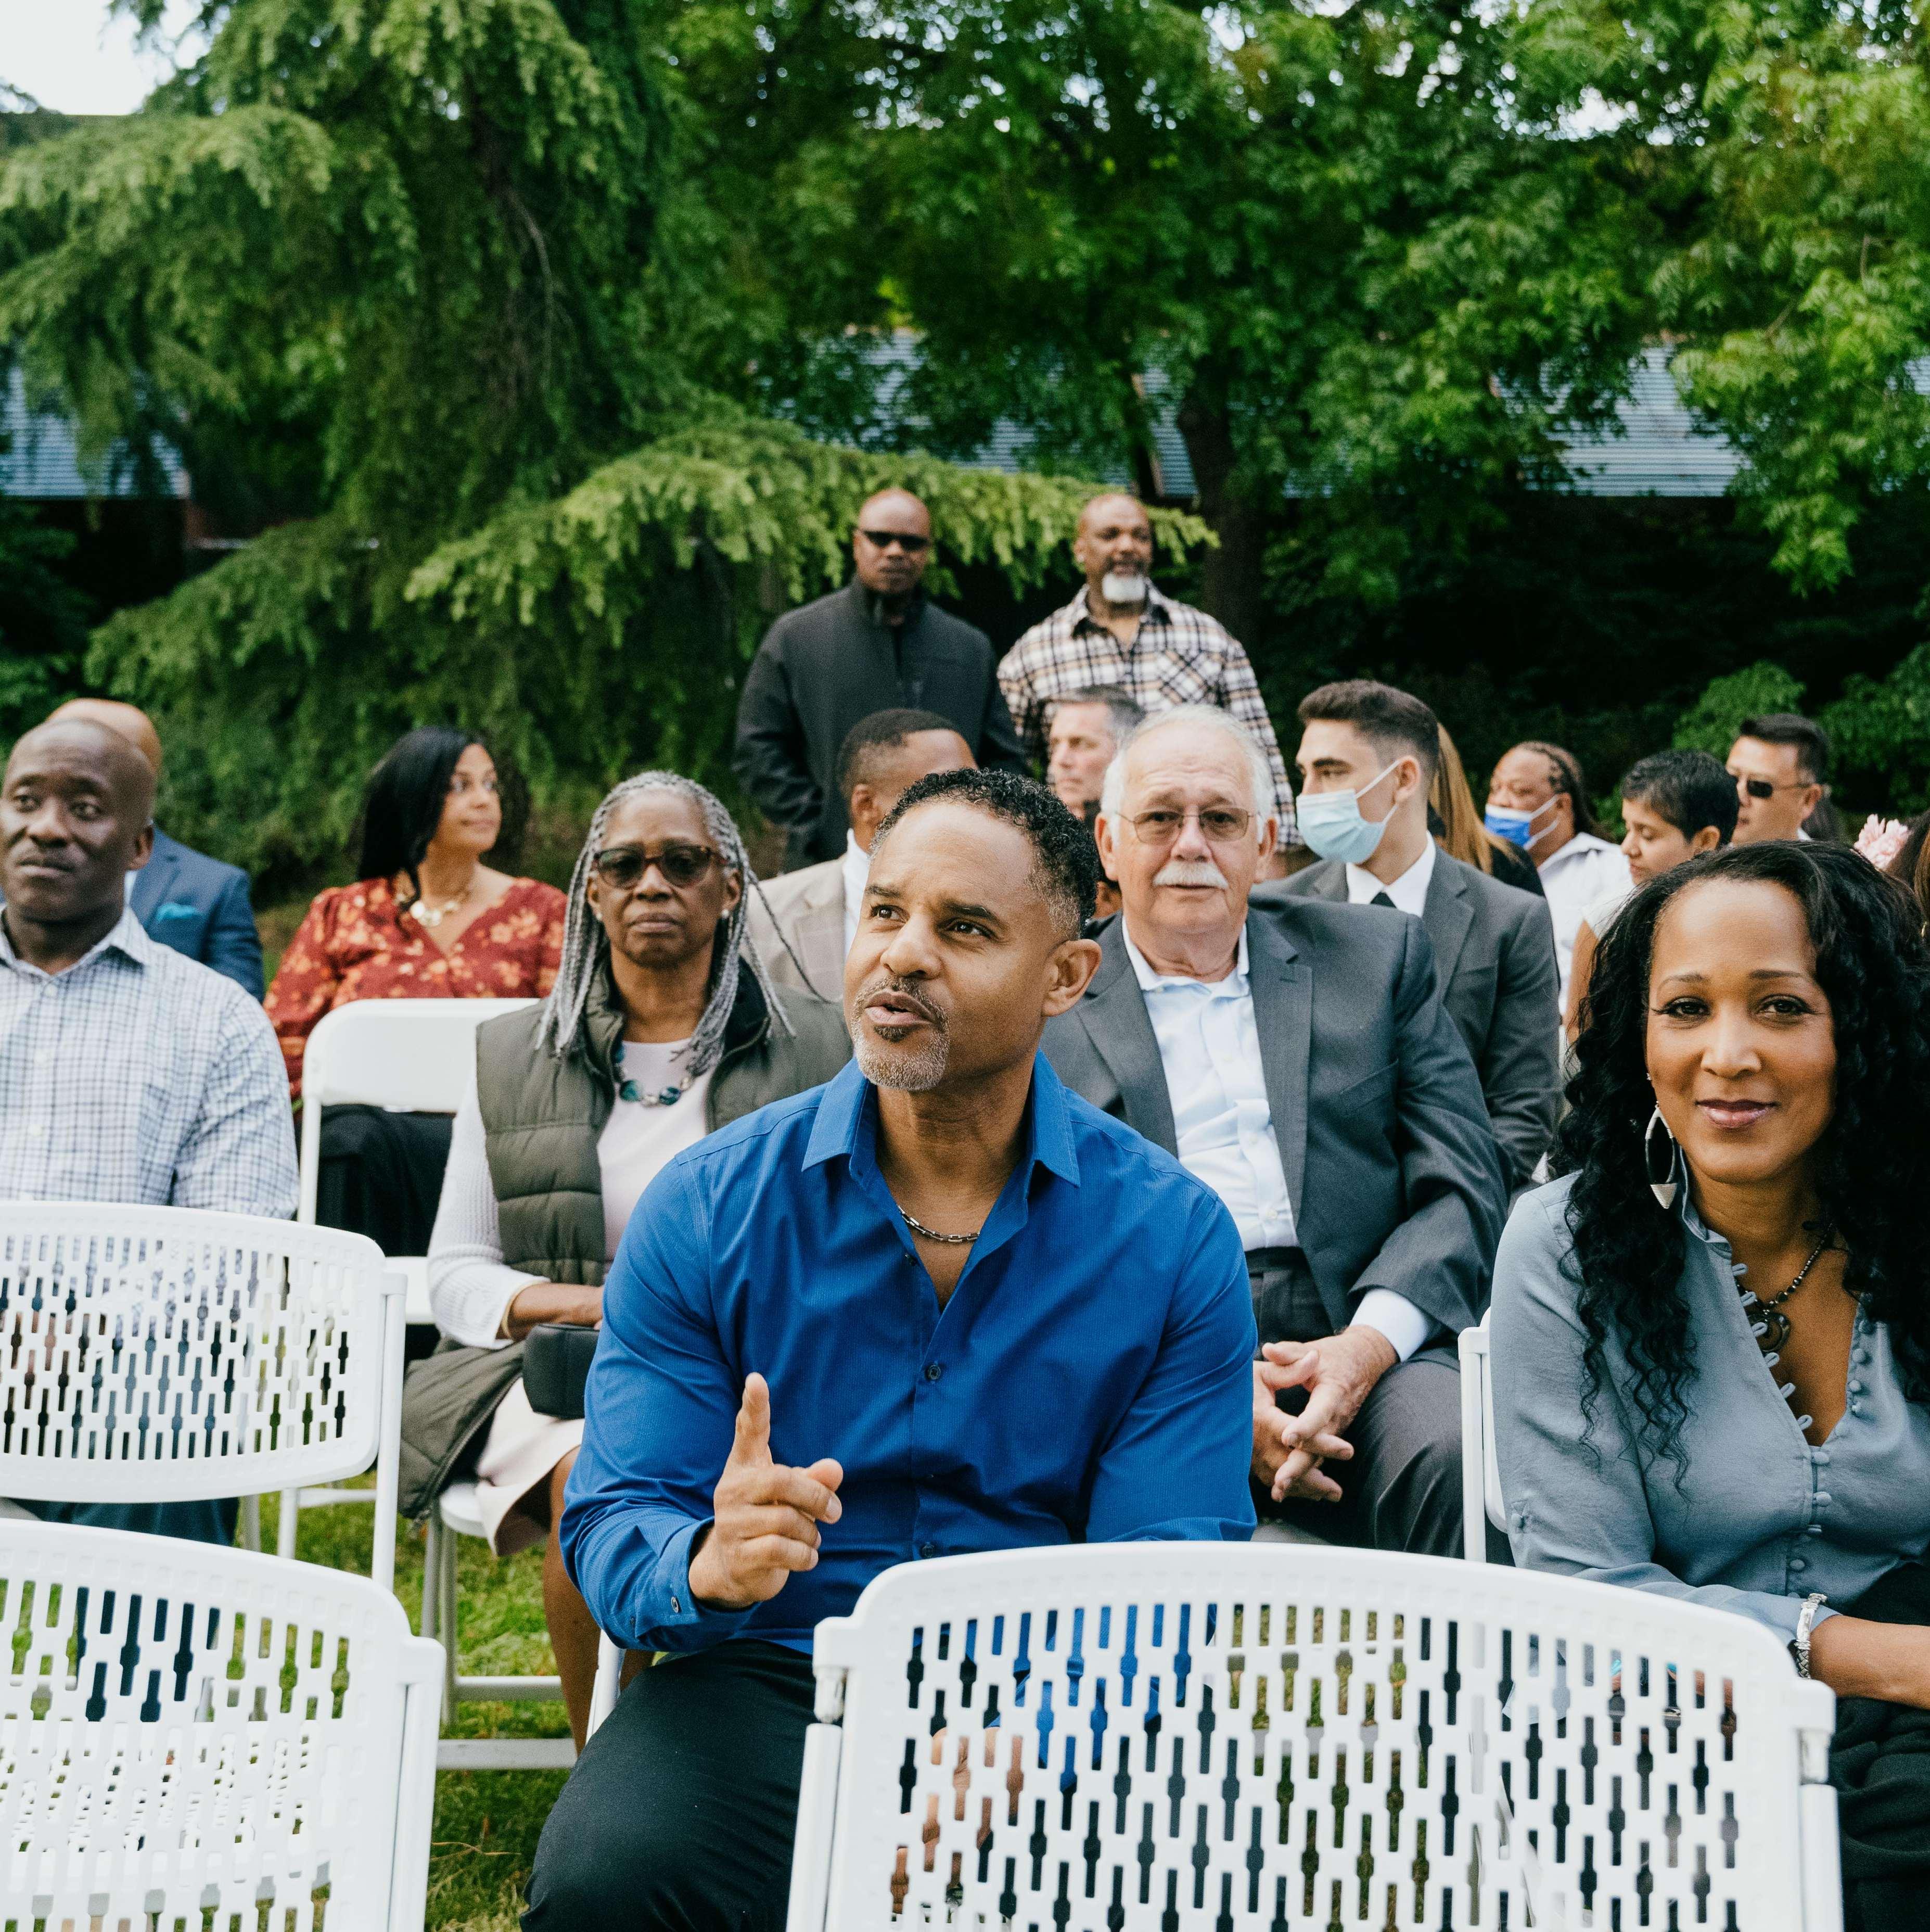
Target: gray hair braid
x=587 y=946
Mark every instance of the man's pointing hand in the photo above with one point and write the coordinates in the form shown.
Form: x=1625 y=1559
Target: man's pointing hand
x=766 y=1515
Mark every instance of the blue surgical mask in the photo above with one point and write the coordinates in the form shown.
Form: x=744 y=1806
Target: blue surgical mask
x=1331 y=822
x=1517 y=826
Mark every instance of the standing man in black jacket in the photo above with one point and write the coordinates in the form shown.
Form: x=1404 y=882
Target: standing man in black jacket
x=876 y=644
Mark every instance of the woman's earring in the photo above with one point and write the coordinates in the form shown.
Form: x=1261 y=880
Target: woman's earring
x=1663 y=1190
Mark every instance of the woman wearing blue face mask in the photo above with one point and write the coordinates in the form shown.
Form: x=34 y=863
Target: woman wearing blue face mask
x=1537 y=799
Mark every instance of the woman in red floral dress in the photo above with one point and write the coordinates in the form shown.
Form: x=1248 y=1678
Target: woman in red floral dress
x=426 y=919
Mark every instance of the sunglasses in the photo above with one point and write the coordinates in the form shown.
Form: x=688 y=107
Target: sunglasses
x=1765 y=788
x=620 y=867
x=884 y=540
x=1221 y=824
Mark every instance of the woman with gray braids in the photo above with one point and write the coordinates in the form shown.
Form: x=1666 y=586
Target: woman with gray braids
x=662 y=1026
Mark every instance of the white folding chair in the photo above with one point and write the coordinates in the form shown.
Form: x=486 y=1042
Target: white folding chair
x=1481 y=1500
x=418 y=1056
x=156 y=1355
x=409 y=1056
x=183 y=1727
x=1259 y=1737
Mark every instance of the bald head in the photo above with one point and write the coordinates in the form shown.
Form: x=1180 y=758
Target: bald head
x=76 y=810
x=118 y=768
x=891 y=546
x=129 y=720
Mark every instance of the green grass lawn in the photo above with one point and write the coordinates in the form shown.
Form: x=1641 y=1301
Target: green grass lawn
x=487 y=1823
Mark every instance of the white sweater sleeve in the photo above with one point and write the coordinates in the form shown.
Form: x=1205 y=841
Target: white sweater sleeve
x=470 y=1288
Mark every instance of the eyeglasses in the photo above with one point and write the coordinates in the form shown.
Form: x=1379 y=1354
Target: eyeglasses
x=620 y=867
x=884 y=540
x=1221 y=823
x=1766 y=788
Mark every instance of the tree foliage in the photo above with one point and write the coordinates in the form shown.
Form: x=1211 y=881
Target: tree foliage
x=417 y=286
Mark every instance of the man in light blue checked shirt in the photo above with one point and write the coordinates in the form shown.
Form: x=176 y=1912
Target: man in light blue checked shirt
x=131 y=1072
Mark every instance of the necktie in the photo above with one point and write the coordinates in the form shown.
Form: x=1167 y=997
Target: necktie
x=1381 y=898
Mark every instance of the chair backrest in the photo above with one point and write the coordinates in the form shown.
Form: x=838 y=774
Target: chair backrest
x=1269 y=1736
x=182 y=1726
x=1481 y=1499
x=154 y=1354
x=417 y=1056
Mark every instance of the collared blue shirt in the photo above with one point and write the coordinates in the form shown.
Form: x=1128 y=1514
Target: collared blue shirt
x=1089 y=1379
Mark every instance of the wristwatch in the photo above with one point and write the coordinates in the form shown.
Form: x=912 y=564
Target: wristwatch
x=1806 y=1619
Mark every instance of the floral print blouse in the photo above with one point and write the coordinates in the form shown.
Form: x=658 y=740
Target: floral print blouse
x=356 y=944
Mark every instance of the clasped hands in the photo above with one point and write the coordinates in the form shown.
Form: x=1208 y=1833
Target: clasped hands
x=765 y=1524
x=1338 y=1372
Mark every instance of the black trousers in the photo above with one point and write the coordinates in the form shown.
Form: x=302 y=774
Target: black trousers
x=381 y=1175
x=1880 y=1764
x=680 y=1814
x=1402 y=1488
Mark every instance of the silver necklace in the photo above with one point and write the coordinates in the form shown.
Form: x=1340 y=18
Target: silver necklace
x=1776 y=1326
x=918 y=1227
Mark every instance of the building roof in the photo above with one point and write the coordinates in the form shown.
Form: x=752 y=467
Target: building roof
x=1661 y=450
x=40 y=457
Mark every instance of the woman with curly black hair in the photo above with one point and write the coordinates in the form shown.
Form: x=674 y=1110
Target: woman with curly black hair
x=1712 y=1334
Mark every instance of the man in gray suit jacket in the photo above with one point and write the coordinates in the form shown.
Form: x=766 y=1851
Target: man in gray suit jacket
x=1297 y=1059
x=1367 y=758
x=802 y=922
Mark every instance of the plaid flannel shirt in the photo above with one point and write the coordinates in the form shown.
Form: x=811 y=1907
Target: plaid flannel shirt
x=139 y=1075
x=1180 y=656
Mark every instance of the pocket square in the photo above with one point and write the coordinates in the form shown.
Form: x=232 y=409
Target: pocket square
x=175 y=909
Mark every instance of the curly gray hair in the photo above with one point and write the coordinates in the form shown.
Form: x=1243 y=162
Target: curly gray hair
x=587 y=946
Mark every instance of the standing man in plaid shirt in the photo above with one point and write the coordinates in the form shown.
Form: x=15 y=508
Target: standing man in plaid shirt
x=1120 y=631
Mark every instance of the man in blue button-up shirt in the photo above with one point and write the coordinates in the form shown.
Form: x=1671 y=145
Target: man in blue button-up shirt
x=940 y=1305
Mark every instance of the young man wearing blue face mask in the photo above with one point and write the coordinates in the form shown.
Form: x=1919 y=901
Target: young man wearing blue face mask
x=1367 y=758
x=1537 y=800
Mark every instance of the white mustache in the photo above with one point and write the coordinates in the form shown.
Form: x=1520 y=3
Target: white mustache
x=1189 y=872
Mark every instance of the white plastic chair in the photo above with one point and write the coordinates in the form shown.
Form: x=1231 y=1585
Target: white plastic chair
x=1481 y=1498
x=418 y=1056
x=154 y=1354
x=1262 y=1737
x=183 y=1727
x=412 y=1057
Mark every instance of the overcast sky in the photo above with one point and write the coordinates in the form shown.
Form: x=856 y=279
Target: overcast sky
x=68 y=54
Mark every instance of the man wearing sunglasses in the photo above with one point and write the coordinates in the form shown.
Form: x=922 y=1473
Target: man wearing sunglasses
x=878 y=643
x=1781 y=765
x=1296 y=1058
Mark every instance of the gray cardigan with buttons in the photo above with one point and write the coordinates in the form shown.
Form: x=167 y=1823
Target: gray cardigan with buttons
x=1761 y=1519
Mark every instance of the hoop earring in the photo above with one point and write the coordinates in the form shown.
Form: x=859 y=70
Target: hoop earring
x=1664 y=1191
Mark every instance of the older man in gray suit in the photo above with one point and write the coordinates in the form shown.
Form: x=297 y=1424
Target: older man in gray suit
x=1296 y=1058
x=1367 y=758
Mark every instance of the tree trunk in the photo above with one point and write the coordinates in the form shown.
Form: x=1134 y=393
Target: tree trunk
x=1232 y=578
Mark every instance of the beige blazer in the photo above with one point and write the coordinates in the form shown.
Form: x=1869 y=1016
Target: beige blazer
x=808 y=907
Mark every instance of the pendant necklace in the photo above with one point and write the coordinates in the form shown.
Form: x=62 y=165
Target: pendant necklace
x=932 y=1235
x=1772 y=1328
x=433 y=915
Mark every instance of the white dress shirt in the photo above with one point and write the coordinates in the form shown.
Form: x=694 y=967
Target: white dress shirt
x=1584 y=871
x=1209 y=1041
x=857 y=864
x=1409 y=892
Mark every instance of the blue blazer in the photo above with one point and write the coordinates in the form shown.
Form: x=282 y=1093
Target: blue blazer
x=201 y=907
